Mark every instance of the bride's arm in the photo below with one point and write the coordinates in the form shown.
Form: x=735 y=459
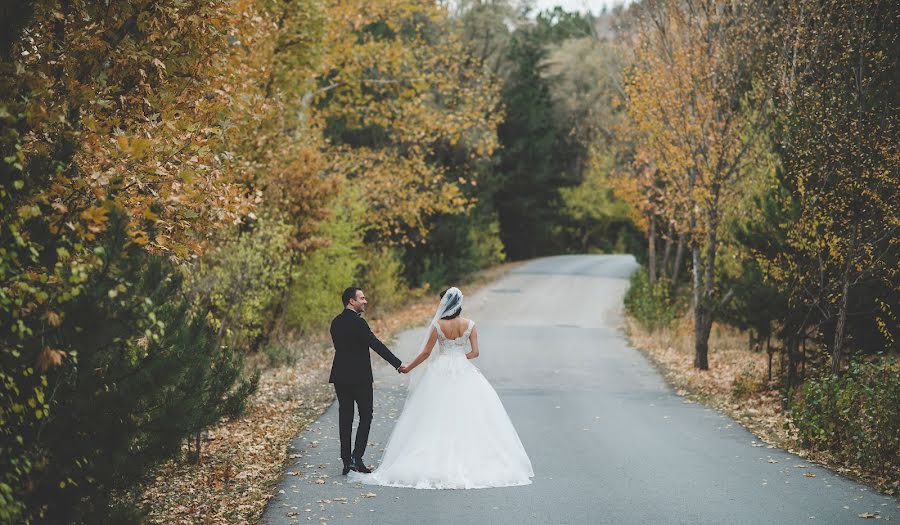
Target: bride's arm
x=423 y=355
x=473 y=337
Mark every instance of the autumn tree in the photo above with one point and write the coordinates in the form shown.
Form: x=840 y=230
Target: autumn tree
x=395 y=86
x=836 y=73
x=690 y=99
x=124 y=115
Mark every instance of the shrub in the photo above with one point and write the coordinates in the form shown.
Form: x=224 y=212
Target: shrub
x=652 y=305
x=314 y=297
x=279 y=353
x=855 y=416
x=132 y=370
x=242 y=281
x=485 y=246
x=746 y=383
x=382 y=278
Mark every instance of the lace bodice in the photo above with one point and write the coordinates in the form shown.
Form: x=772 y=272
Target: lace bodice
x=460 y=343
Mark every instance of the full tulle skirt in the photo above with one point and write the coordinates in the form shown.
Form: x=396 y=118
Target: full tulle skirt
x=453 y=433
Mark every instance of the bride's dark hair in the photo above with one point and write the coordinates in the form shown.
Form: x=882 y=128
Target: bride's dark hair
x=455 y=314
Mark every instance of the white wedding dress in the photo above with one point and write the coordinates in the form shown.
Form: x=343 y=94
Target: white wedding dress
x=453 y=432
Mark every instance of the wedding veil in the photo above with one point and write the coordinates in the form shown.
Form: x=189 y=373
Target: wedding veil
x=450 y=303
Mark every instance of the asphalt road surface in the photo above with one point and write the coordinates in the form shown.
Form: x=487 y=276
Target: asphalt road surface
x=609 y=441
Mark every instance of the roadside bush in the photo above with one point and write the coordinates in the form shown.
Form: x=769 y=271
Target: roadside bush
x=314 y=296
x=746 y=383
x=485 y=245
x=382 y=278
x=855 y=416
x=279 y=353
x=652 y=305
x=131 y=372
x=242 y=282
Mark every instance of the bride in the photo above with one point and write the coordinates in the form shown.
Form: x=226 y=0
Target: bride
x=453 y=432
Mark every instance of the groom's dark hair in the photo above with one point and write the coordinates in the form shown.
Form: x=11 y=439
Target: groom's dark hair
x=455 y=314
x=349 y=293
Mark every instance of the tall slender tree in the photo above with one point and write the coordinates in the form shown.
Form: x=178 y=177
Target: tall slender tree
x=689 y=97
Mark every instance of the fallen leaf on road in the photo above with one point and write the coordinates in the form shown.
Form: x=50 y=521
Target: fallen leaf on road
x=869 y=515
x=320 y=481
x=773 y=460
x=808 y=475
x=369 y=495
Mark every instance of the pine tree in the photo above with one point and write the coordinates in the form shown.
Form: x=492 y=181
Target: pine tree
x=142 y=372
x=538 y=154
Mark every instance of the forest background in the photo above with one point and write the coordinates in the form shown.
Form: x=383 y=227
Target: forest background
x=187 y=186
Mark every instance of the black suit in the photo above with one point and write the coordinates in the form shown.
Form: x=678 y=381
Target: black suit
x=351 y=373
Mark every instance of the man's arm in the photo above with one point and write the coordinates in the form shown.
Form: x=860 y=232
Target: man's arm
x=379 y=347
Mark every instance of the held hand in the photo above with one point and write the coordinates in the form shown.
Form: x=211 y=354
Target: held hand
x=403 y=369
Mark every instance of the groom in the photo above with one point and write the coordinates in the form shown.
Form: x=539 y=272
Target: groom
x=351 y=373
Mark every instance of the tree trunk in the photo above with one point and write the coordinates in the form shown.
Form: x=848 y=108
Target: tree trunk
x=770 y=353
x=701 y=316
x=667 y=252
x=836 y=356
x=702 y=326
x=651 y=248
x=585 y=239
x=782 y=363
x=679 y=256
x=793 y=345
x=711 y=247
x=703 y=310
x=802 y=357
x=197 y=445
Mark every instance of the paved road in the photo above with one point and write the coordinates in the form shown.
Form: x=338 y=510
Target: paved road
x=609 y=441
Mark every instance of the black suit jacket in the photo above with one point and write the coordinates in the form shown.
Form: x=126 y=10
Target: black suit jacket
x=352 y=339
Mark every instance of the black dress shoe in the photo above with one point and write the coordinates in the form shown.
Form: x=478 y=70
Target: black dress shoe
x=359 y=466
x=347 y=468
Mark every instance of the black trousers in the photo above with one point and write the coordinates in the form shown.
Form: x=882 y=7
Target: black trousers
x=347 y=395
